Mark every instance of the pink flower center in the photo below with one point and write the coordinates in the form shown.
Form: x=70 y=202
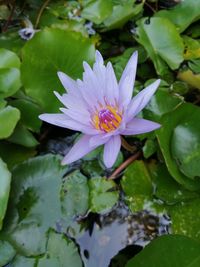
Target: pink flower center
x=107 y=119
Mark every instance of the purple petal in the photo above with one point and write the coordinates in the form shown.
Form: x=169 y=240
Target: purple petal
x=127 y=80
x=112 y=88
x=139 y=126
x=100 y=138
x=98 y=57
x=80 y=149
x=111 y=150
x=68 y=83
x=141 y=100
x=64 y=121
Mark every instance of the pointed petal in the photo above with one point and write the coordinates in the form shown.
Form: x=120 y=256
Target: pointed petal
x=111 y=150
x=64 y=121
x=140 y=126
x=68 y=83
x=98 y=57
x=100 y=138
x=112 y=88
x=127 y=80
x=141 y=100
x=80 y=149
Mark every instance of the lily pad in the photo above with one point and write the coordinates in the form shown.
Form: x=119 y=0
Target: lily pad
x=50 y=51
x=183 y=252
x=183 y=14
x=185 y=112
x=168 y=49
x=4 y=189
x=9 y=117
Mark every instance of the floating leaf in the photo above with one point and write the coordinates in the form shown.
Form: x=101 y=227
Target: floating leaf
x=102 y=197
x=4 y=189
x=7 y=253
x=75 y=194
x=183 y=14
x=50 y=51
x=183 y=252
x=167 y=49
x=136 y=183
x=9 y=117
x=97 y=11
x=184 y=113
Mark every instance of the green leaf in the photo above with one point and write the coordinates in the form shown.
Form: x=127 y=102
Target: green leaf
x=22 y=136
x=9 y=117
x=97 y=11
x=166 y=188
x=184 y=113
x=161 y=103
x=192 y=48
x=101 y=197
x=136 y=183
x=14 y=154
x=62 y=249
x=8 y=59
x=149 y=148
x=168 y=251
x=9 y=81
x=185 y=144
x=167 y=49
x=29 y=113
x=50 y=51
x=7 y=253
x=4 y=189
x=35 y=186
x=23 y=262
x=183 y=14
x=74 y=194
x=122 y=12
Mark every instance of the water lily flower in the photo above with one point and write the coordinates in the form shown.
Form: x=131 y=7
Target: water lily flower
x=102 y=109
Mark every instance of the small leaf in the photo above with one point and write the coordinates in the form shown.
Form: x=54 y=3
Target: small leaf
x=7 y=253
x=101 y=198
x=9 y=117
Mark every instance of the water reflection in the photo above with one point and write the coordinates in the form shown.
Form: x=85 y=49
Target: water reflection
x=112 y=232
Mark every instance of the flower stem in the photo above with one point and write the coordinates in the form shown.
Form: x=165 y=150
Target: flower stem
x=128 y=147
x=127 y=162
x=40 y=13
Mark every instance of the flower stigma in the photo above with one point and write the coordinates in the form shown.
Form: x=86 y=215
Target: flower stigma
x=107 y=119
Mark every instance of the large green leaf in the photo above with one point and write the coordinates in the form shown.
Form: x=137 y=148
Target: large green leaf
x=121 y=13
x=170 y=122
x=183 y=14
x=29 y=113
x=168 y=251
x=34 y=204
x=5 y=178
x=14 y=154
x=185 y=218
x=9 y=117
x=50 y=51
x=167 y=47
x=97 y=11
x=137 y=186
x=8 y=59
x=9 y=81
